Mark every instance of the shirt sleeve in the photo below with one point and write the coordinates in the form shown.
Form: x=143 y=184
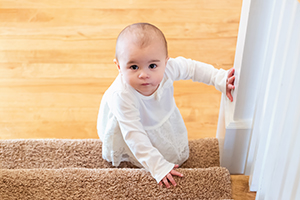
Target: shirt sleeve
x=127 y=114
x=184 y=69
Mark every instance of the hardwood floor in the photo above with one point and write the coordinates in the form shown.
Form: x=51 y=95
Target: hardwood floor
x=56 y=60
x=240 y=188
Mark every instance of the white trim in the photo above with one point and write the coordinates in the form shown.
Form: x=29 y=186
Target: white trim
x=242 y=124
x=234 y=129
x=233 y=139
x=230 y=123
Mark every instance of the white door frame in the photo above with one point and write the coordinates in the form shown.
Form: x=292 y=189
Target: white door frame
x=235 y=118
x=237 y=143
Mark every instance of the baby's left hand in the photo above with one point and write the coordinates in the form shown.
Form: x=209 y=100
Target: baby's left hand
x=169 y=177
x=230 y=84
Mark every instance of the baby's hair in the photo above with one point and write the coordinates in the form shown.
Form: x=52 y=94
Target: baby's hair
x=143 y=35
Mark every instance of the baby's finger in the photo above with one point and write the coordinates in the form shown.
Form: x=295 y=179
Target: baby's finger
x=166 y=182
x=169 y=176
x=176 y=173
x=176 y=166
x=232 y=79
x=231 y=72
x=230 y=86
x=229 y=96
x=160 y=183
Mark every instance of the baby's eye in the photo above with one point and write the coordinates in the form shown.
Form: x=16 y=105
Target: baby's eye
x=152 y=66
x=134 y=67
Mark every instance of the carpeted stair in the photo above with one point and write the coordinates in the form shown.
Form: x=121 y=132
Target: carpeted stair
x=74 y=169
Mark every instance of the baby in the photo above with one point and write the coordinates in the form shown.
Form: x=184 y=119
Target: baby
x=138 y=119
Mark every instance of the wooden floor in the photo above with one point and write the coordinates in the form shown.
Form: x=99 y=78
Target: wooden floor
x=240 y=188
x=56 y=60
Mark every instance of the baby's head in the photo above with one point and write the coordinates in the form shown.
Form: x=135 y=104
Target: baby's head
x=142 y=35
x=141 y=57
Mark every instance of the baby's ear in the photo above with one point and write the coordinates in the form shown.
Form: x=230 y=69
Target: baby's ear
x=117 y=63
x=167 y=60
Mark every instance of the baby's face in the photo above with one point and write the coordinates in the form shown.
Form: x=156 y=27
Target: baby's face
x=142 y=67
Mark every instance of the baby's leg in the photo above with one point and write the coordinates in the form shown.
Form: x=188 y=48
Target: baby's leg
x=126 y=164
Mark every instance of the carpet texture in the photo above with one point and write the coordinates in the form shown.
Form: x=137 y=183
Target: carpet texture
x=74 y=169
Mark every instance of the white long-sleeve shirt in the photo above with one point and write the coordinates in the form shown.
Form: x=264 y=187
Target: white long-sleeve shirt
x=149 y=131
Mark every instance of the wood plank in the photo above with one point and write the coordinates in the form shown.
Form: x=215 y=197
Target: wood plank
x=46 y=129
x=196 y=30
x=69 y=17
x=76 y=130
x=43 y=94
x=113 y=4
x=57 y=70
x=85 y=86
x=32 y=43
x=240 y=188
x=97 y=56
x=72 y=123
x=47 y=99
x=94 y=23
x=187 y=94
x=199 y=130
x=188 y=88
x=48 y=114
x=88 y=112
x=56 y=56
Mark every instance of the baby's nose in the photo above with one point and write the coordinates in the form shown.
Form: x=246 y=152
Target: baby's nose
x=143 y=74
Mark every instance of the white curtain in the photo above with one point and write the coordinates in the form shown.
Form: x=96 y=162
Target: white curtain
x=275 y=172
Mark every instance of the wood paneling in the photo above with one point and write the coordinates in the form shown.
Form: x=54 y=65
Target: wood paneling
x=129 y=4
x=56 y=60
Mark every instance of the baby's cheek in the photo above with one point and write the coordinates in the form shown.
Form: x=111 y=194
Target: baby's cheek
x=160 y=78
x=127 y=77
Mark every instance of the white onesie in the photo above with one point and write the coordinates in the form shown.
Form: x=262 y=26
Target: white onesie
x=149 y=131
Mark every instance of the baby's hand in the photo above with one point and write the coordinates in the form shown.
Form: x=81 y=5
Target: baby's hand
x=229 y=84
x=169 y=177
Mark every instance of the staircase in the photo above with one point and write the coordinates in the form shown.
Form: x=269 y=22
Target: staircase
x=74 y=169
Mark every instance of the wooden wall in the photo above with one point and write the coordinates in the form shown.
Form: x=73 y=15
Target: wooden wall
x=56 y=60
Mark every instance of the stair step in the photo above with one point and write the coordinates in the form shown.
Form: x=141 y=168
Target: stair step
x=86 y=153
x=81 y=183
x=74 y=169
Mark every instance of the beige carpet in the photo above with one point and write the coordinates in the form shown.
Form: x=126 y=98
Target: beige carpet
x=74 y=169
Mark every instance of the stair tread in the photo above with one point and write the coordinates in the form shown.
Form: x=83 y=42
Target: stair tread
x=87 y=153
x=74 y=169
x=82 y=183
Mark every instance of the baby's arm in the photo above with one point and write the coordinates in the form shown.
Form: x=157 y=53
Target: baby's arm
x=136 y=138
x=184 y=69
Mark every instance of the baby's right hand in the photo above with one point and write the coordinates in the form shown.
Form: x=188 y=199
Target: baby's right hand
x=169 y=177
